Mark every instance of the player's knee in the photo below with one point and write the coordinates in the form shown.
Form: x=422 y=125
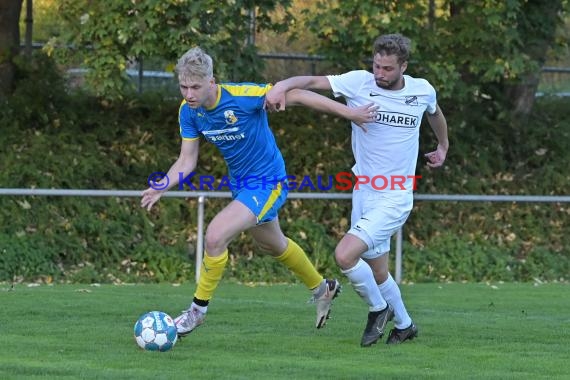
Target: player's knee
x=214 y=242
x=343 y=260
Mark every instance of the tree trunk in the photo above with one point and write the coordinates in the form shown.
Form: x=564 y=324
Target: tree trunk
x=537 y=27
x=9 y=42
x=522 y=95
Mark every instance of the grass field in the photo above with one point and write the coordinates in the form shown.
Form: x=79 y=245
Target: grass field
x=467 y=331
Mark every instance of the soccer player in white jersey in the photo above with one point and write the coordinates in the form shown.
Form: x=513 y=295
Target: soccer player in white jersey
x=387 y=149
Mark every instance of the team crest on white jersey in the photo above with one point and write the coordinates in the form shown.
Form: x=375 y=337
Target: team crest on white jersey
x=412 y=100
x=230 y=117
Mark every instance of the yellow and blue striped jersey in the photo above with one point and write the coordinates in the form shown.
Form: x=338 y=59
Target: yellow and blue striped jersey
x=238 y=126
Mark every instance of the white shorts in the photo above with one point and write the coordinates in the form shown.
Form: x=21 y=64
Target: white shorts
x=376 y=216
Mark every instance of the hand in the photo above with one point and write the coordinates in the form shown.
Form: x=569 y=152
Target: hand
x=437 y=157
x=149 y=197
x=275 y=100
x=364 y=114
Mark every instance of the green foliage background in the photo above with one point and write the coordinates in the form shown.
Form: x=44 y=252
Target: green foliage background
x=70 y=141
x=107 y=37
x=455 y=44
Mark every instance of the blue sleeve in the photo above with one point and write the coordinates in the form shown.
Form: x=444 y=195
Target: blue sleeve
x=188 y=130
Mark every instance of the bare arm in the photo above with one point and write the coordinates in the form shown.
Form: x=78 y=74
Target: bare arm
x=438 y=124
x=276 y=98
x=359 y=115
x=183 y=166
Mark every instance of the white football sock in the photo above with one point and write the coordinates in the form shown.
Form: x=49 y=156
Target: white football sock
x=391 y=293
x=362 y=280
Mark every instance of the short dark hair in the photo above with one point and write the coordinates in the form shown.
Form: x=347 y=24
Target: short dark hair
x=393 y=44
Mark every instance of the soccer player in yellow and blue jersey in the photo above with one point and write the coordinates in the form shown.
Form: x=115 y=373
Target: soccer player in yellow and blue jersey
x=232 y=116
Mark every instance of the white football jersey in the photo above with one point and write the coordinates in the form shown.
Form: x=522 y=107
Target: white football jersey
x=390 y=147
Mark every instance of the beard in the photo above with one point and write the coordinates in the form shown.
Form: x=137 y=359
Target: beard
x=387 y=85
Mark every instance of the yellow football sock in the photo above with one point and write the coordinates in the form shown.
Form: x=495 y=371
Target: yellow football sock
x=297 y=261
x=210 y=275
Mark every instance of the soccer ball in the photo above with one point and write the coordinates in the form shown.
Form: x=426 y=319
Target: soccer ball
x=155 y=331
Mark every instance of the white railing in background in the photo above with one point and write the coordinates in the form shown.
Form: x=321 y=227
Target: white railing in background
x=201 y=195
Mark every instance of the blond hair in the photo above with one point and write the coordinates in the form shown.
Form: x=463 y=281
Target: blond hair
x=195 y=63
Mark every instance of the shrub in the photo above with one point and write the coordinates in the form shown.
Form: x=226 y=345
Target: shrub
x=74 y=141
